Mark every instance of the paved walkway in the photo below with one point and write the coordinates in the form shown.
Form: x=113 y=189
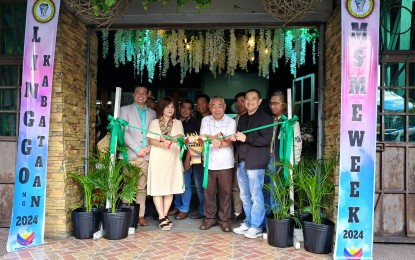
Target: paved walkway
x=185 y=241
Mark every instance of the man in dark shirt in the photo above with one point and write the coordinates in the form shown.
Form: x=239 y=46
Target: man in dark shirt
x=252 y=156
x=182 y=201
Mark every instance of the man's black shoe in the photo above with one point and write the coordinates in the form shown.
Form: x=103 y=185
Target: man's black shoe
x=197 y=216
x=238 y=218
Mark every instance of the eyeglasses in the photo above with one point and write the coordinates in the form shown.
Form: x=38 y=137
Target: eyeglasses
x=274 y=104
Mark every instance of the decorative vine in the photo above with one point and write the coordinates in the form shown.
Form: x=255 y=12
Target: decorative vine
x=218 y=50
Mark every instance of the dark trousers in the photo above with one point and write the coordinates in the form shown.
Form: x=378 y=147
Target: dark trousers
x=219 y=181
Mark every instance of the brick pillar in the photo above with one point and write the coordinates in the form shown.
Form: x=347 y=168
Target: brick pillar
x=332 y=92
x=67 y=126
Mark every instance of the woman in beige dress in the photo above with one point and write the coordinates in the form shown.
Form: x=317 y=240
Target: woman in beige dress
x=165 y=170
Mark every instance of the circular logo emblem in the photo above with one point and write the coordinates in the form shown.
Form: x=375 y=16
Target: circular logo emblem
x=360 y=8
x=44 y=10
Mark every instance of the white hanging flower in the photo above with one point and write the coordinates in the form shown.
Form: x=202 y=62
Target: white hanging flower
x=274 y=54
x=173 y=46
x=232 y=54
x=166 y=54
x=180 y=45
x=243 y=52
x=261 y=51
x=198 y=52
x=313 y=44
x=264 y=52
x=251 y=43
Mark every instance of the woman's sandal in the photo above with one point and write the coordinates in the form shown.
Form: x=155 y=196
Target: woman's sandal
x=163 y=224
x=169 y=221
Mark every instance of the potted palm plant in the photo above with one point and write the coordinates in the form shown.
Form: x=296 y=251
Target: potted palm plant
x=130 y=185
x=280 y=223
x=115 y=186
x=313 y=177
x=86 y=220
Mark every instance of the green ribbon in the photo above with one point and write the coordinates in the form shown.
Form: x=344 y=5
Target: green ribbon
x=253 y=129
x=116 y=127
x=206 y=146
x=182 y=144
x=286 y=141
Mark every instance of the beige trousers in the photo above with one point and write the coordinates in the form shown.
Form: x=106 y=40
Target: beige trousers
x=142 y=184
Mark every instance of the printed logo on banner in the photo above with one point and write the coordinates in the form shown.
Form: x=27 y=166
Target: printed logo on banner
x=353 y=253
x=26 y=238
x=360 y=8
x=44 y=10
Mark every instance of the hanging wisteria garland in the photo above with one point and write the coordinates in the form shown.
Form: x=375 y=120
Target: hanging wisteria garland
x=218 y=50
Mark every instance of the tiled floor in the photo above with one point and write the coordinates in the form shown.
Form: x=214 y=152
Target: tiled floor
x=185 y=241
x=163 y=245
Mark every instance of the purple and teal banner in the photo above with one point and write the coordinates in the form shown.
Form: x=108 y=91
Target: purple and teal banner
x=360 y=30
x=28 y=216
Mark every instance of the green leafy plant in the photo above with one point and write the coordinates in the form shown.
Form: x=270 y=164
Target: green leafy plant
x=313 y=178
x=88 y=183
x=280 y=189
x=102 y=6
x=118 y=180
x=132 y=176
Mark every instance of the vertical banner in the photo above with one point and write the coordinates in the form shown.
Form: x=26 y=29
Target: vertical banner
x=360 y=30
x=28 y=216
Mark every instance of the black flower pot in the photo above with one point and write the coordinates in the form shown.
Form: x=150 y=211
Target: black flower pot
x=85 y=224
x=280 y=232
x=116 y=224
x=318 y=238
x=302 y=217
x=135 y=209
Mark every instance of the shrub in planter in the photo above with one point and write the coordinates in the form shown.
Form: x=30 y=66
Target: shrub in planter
x=131 y=179
x=313 y=177
x=84 y=223
x=86 y=219
x=118 y=182
x=280 y=223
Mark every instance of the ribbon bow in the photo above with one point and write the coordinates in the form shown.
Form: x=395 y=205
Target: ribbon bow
x=206 y=146
x=287 y=139
x=182 y=144
x=117 y=129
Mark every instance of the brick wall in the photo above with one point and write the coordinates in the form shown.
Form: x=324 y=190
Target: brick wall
x=67 y=126
x=332 y=93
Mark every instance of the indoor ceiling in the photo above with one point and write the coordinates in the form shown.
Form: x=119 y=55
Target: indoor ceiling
x=221 y=13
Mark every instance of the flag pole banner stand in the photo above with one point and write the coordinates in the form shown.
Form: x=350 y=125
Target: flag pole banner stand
x=360 y=32
x=28 y=215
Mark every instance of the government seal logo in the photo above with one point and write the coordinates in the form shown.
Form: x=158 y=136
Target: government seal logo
x=44 y=10
x=360 y=8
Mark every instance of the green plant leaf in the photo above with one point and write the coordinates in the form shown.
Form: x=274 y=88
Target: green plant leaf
x=109 y=3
